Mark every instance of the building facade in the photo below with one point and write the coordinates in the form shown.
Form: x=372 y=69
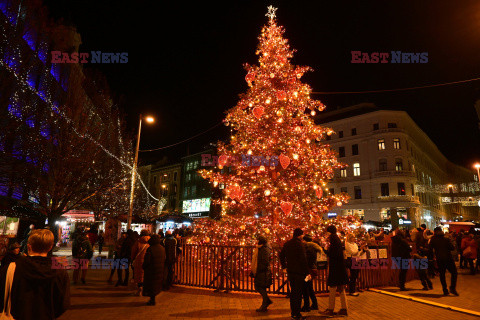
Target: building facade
x=395 y=170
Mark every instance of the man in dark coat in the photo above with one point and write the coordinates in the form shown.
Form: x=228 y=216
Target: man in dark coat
x=153 y=266
x=263 y=273
x=401 y=249
x=294 y=262
x=38 y=291
x=442 y=248
x=126 y=253
x=170 y=244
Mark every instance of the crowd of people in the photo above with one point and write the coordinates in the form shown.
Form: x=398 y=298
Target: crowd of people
x=302 y=257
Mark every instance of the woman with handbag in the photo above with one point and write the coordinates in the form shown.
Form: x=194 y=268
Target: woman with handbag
x=261 y=271
x=138 y=255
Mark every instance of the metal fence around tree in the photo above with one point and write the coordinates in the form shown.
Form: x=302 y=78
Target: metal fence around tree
x=228 y=268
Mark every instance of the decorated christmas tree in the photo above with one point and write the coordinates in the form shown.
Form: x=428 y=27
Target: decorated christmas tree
x=275 y=168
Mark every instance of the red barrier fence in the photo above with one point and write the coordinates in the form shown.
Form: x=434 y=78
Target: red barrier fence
x=228 y=268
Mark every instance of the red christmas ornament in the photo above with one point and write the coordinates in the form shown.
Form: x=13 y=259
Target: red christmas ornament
x=258 y=112
x=235 y=192
x=284 y=161
x=286 y=207
x=318 y=192
x=250 y=76
x=281 y=95
x=222 y=160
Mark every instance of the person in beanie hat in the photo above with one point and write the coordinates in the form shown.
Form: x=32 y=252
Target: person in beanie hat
x=293 y=259
x=337 y=273
x=261 y=271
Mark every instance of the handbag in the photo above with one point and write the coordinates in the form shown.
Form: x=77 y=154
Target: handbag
x=322 y=260
x=7 y=301
x=468 y=252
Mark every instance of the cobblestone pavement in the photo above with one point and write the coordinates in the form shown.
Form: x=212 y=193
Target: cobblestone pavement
x=99 y=300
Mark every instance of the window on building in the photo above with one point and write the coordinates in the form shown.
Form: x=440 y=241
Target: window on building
x=185 y=192
x=475 y=178
x=194 y=191
x=356 y=169
x=375 y=126
x=175 y=176
x=392 y=125
x=398 y=165
x=401 y=188
x=358 y=192
x=343 y=172
x=413 y=189
x=154 y=180
x=331 y=190
x=340 y=134
x=381 y=144
x=172 y=203
x=341 y=152
x=384 y=189
x=396 y=143
x=382 y=165
x=188 y=176
x=175 y=188
x=354 y=149
x=354 y=131
x=343 y=190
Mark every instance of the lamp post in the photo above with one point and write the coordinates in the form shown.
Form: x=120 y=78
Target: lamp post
x=134 y=168
x=477 y=166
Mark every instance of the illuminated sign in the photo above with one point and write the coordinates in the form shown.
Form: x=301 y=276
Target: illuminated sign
x=332 y=214
x=196 y=205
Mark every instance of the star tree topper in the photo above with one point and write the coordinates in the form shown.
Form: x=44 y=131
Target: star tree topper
x=271 y=12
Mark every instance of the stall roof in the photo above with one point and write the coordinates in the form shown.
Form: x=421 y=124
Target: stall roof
x=175 y=217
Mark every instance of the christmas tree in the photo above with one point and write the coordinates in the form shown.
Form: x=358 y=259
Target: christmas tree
x=275 y=168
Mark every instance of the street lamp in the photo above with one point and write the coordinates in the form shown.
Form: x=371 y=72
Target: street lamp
x=148 y=119
x=477 y=166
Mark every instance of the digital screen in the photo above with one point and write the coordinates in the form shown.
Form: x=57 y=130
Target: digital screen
x=196 y=205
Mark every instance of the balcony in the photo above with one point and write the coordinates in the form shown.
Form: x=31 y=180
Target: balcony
x=394 y=173
x=397 y=198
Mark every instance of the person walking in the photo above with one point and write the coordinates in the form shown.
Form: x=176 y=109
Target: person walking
x=352 y=252
x=311 y=250
x=81 y=250
x=337 y=273
x=139 y=250
x=459 y=240
x=101 y=241
x=293 y=259
x=401 y=250
x=125 y=253
x=153 y=267
x=261 y=271
x=116 y=255
x=442 y=249
x=170 y=245
x=469 y=250
x=38 y=292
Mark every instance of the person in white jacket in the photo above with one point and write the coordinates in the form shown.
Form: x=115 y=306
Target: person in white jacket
x=352 y=252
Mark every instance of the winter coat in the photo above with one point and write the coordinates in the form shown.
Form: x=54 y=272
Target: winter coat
x=92 y=237
x=442 y=247
x=337 y=269
x=311 y=249
x=170 y=244
x=82 y=249
x=138 y=256
x=126 y=248
x=9 y=257
x=469 y=242
x=263 y=277
x=400 y=248
x=153 y=267
x=38 y=291
x=293 y=257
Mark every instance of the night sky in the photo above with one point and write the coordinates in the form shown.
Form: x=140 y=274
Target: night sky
x=185 y=61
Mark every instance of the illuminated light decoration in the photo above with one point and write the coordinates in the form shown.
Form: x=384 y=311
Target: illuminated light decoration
x=339 y=203
x=313 y=112
x=222 y=160
x=267 y=101
x=284 y=161
x=258 y=112
x=319 y=192
x=280 y=129
x=250 y=77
